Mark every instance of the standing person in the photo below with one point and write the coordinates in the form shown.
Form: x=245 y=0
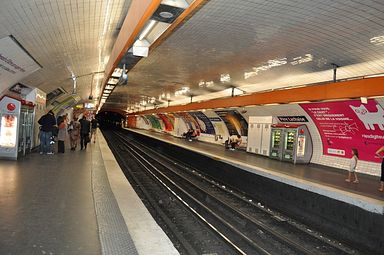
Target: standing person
x=74 y=133
x=352 y=166
x=379 y=153
x=85 y=128
x=235 y=141
x=62 y=125
x=94 y=128
x=47 y=123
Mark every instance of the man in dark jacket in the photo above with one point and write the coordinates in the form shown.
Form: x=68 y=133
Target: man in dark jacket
x=85 y=128
x=93 y=129
x=48 y=125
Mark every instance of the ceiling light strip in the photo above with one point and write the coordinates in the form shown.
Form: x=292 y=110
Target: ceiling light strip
x=138 y=14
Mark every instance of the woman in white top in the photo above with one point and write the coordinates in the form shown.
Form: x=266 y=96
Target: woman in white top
x=352 y=166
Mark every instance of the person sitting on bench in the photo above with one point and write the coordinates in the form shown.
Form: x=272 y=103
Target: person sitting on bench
x=190 y=134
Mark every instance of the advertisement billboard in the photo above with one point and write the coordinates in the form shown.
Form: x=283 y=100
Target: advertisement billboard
x=205 y=124
x=167 y=122
x=155 y=123
x=234 y=121
x=8 y=131
x=15 y=64
x=344 y=125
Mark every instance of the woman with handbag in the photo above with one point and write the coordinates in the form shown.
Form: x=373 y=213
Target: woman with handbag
x=62 y=125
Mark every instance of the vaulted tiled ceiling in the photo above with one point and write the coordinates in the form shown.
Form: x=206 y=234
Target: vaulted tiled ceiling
x=258 y=45
x=64 y=36
x=254 y=45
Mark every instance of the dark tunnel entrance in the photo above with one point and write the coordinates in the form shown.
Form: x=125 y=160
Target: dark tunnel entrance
x=110 y=120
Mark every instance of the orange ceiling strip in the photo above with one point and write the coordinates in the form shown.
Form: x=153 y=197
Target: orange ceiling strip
x=195 y=6
x=332 y=91
x=138 y=14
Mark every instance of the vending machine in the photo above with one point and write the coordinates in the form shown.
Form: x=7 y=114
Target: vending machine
x=290 y=134
x=276 y=143
x=16 y=127
x=26 y=129
x=291 y=143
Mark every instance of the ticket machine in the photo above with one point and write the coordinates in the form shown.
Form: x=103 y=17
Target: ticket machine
x=291 y=143
x=16 y=127
x=276 y=142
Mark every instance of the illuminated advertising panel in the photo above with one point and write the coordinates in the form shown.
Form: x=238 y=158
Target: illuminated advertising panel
x=344 y=125
x=8 y=131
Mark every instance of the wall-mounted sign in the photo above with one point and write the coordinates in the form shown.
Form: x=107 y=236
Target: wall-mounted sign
x=55 y=94
x=20 y=89
x=15 y=62
x=38 y=97
x=344 y=125
x=292 y=118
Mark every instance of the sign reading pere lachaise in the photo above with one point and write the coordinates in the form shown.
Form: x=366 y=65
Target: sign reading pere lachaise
x=292 y=118
x=15 y=62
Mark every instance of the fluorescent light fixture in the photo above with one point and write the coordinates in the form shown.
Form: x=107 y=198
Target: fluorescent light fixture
x=302 y=59
x=225 y=77
x=377 y=40
x=182 y=91
x=271 y=63
x=141 y=48
x=177 y=3
x=113 y=81
x=147 y=29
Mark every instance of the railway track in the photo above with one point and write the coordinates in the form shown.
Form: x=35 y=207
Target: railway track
x=206 y=217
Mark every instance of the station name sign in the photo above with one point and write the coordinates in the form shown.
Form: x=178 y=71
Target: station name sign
x=292 y=118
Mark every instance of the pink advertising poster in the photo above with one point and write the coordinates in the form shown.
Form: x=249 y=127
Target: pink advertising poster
x=344 y=125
